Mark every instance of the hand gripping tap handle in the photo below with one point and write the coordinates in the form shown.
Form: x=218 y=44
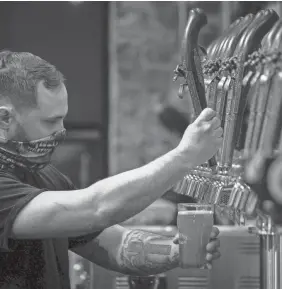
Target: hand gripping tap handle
x=192 y=63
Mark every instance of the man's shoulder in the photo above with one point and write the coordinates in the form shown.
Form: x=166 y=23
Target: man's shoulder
x=51 y=178
x=52 y=173
x=6 y=176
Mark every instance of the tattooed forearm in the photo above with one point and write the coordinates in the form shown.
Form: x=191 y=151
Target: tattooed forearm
x=145 y=253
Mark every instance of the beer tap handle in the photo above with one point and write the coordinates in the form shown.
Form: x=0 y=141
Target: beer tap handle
x=230 y=45
x=277 y=43
x=252 y=37
x=220 y=52
x=223 y=44
x=264 y=174
x=213 y=47
x=211 y=89
x=268 y=40
x=264 y=170
x=251 y=41
x=259 y=97
x=236 y=36
x=272 y=122
x=236 y=99
x=222 y=93
x=191 y=61
x=251 y=121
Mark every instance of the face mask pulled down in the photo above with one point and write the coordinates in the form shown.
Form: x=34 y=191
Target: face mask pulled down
x=31 y=155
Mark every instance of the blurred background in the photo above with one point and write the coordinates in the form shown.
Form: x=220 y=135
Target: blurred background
x=118 y=59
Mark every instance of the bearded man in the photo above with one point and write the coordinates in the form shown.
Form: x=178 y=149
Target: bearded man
x=42 y=214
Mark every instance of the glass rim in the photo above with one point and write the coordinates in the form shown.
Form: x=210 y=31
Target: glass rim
x=197 y=207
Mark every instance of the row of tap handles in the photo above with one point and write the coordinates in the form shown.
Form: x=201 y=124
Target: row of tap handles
x=241 y=68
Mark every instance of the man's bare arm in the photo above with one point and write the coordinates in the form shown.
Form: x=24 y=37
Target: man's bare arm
x=161 y=213
x=113 y=200
x=54 y=214
x=131 y=252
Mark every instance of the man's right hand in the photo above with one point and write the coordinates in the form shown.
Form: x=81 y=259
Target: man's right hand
x=202 y=138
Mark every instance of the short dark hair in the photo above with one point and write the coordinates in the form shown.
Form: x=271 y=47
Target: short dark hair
x=20 y=73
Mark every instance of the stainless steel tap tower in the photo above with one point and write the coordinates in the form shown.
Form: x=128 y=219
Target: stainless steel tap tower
x=242 y=69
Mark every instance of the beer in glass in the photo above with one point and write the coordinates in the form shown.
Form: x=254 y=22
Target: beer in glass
x=195 y=223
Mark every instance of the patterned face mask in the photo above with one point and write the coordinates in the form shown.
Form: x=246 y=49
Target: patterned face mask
x=32 y=155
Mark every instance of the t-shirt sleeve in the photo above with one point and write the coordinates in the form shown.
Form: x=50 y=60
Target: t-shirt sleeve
x=14 y=196
x=82 y=240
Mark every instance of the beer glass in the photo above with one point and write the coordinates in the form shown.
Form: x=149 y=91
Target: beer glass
x=195 y=223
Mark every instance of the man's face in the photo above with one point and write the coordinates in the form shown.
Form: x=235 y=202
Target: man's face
x=45 y=119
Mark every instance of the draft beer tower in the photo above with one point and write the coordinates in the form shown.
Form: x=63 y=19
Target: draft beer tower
x=242 y=66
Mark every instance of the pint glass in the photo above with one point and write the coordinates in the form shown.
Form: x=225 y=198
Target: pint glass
x=194 y=222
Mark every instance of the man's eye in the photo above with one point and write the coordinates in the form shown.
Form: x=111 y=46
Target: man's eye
x=52 y=121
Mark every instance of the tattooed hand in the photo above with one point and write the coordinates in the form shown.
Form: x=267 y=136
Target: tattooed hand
x=212 y=247
x=143 y=253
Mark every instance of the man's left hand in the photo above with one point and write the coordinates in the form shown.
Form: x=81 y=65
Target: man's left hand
x=212 y=247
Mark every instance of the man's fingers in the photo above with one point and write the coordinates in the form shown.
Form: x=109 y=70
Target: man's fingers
x=218 y=140
x=218 y=132
x=214 y=233
x=213 y=245
x=215 y=123
x=206 y=115
x=210 y=257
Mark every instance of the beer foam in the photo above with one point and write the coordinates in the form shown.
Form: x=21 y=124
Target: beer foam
x=195 y=212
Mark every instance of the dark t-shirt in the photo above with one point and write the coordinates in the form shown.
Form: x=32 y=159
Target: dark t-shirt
x=28 y=264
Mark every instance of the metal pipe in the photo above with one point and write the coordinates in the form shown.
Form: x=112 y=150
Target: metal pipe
x=270 y=253
x=269 y=261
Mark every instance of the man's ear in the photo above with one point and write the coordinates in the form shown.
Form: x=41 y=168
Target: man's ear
x=5 y=122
